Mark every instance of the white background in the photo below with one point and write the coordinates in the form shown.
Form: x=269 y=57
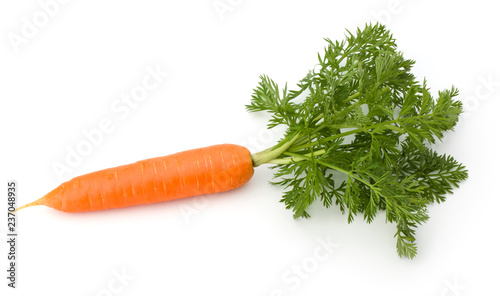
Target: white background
x=62 y=78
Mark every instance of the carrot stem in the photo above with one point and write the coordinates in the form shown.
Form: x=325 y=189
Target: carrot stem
x=269 y=154
x=289 y=160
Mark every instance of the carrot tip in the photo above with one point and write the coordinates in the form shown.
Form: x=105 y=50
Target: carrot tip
x=35 y=203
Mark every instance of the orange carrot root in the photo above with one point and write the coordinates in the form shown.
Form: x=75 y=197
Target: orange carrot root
x=189 y=173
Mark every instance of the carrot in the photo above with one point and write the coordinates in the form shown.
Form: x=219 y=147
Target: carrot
x=194 y=172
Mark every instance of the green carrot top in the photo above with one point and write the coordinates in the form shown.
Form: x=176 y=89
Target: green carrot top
x=359 y=127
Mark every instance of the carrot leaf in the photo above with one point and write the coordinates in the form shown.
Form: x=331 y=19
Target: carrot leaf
x=360 y=136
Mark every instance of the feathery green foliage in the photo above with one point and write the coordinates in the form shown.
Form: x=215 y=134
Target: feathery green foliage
x=358 y=132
